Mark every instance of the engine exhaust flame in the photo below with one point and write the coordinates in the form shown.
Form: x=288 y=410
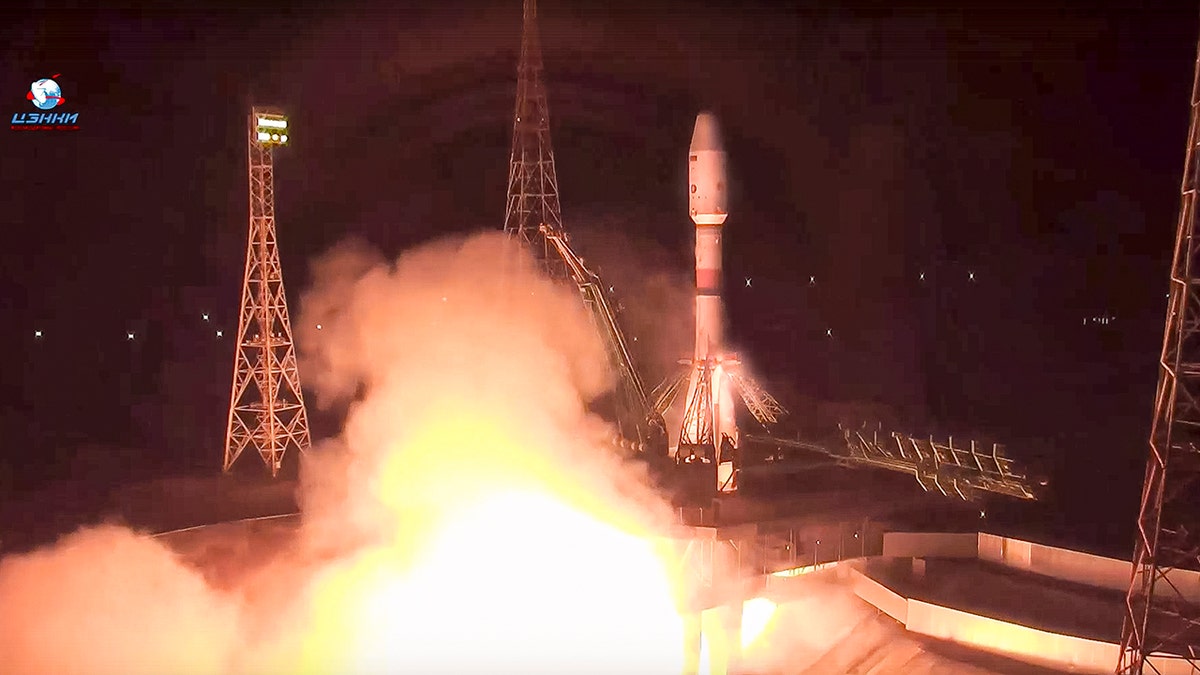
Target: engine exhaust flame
x=490 y=597
x=468 y=519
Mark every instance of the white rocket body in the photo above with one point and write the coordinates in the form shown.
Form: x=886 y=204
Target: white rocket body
x=707 y=206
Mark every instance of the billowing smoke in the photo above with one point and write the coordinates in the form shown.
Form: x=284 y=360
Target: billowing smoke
x=106 y=600
x=468 y=518
x=458 y=344
x=655 y=285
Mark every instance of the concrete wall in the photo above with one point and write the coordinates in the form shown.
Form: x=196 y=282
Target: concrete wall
x=1028 y=644
x=1057 y=563
x=1171 y=666
x=885 y=599
x=1074 y=566
x=1022 y=642
x=985 y=633
x=930 y=545
x=994 y=635
x=1187 y=582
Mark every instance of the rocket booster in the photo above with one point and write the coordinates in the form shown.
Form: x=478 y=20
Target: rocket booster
x=707 y=207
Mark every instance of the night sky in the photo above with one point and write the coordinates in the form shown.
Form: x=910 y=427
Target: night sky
x=1040 y=152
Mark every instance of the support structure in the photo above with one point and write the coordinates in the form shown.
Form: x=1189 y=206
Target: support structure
x=532 y=179
x=266 y=407
x=638 y=424
x=709 y=387
x=534 y=217
x=713 y=564
x=967 y=472
x=1162 y=607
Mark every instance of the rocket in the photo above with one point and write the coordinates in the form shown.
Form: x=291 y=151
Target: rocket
x=709 y=422
x=707 y=207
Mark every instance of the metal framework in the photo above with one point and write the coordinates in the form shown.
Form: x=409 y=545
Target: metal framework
x=1162 y=607
x=266 y=407
x=636 y=417
x=763 y=407
x=534 y=218
x=951 y=470
x=696 y=430
x=532 y=179
x=696 y=438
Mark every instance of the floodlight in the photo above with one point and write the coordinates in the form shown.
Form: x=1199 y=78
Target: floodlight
x=269 y=128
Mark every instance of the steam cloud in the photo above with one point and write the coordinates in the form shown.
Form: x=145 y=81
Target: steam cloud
x=456 y=333
x=105 y=600
x=467 y=376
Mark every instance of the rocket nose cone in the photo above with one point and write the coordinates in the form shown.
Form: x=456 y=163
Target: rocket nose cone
x=706 y=136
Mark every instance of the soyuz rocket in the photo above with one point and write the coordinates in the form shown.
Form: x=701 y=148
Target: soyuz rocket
x=707 y=207
x=709 y=432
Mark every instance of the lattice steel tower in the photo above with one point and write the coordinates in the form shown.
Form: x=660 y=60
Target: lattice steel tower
x=1162 y=608
x=532 y=179
x=266 y=407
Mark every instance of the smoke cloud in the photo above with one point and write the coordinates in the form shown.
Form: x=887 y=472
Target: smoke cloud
x=107 y=600
x=464 y=340
x=655 y=286
x=468 y=517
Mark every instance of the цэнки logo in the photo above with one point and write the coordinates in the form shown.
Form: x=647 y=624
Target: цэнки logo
x=45 y=93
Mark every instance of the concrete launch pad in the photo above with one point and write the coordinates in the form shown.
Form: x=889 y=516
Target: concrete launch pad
x=990 y=589
x=853 y=593
x=822 y=623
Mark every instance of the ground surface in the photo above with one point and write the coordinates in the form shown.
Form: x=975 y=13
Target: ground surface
x=993 y=590
x=820 y=627
x=38 y=517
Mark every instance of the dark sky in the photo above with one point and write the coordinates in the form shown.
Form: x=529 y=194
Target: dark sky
x=1039 y=151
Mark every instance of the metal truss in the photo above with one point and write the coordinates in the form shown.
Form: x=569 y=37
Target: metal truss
x=266 y=409
x=761 y=405
x=534 y=218
x=945 y=468
x=1161 y=626
x=697 y=441
x=665 y=393
x=532 y=178
x=697 y=426
x=636 y=414
x=765 y=409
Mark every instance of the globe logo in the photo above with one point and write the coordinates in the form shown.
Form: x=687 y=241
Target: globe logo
x=45 y=93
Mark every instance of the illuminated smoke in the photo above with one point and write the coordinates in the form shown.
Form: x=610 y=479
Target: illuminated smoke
x=468 y=518
x=499 y=531
x=458 y=343
x=655 y=286
x=107 y=601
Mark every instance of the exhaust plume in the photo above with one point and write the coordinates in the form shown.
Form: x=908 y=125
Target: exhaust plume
x=467 y=519
x=106 y=600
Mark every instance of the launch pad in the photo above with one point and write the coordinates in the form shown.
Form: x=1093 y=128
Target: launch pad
x=913 y=600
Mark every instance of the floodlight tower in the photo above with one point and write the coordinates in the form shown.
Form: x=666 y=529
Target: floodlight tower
x=266 y=407
x=532 y=178
x=1162 y=607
